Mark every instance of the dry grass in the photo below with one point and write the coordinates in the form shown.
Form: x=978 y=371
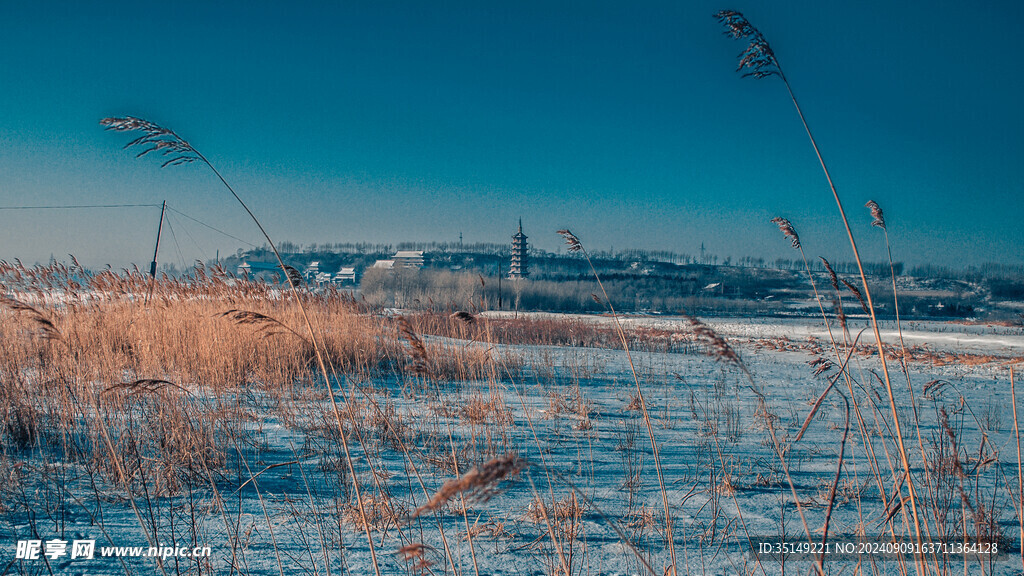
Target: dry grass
x=567 y=331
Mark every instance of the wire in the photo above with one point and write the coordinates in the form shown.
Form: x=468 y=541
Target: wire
x=77 y=206
x=81 y=206
x=177 y=246
x=200 y=222
x=179 y=212
x=190 y=237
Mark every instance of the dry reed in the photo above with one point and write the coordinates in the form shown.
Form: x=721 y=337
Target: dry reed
x=761 y=62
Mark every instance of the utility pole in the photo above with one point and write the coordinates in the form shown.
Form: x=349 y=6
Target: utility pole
x=159 y=228
x=156 y=251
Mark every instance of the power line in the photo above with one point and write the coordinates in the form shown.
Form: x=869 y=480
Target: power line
x=77 y=206
x=83 y=206
x=190 y=237
x=176 y=245
x=200 y=222
x=90 y=206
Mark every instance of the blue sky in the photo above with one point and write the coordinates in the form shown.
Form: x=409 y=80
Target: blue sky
x=387 y=121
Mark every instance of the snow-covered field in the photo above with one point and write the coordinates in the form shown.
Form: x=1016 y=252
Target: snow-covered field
x=284 y=500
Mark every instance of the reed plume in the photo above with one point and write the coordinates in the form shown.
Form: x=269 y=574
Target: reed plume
x=481 y=483
x=144 y=386
x=416 y=552
x=876 y=213
x=719 y=348
x=787 y=228
x=758 y=57
x=857 y=294
x=267 y=325
x=572 y=241
x=155 y=138
x=417 y=351
x=294 y=276
x=47 y=329
x=831 y=273
x=464 y=317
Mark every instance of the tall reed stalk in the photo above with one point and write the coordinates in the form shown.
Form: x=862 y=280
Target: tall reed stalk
x=178 y=151
x=878 y=221
x=787 y=229
x=576 y=246
x=1020 y=468
x=760 y=62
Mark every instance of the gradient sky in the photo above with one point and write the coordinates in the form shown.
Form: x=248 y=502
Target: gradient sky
x=388 y=121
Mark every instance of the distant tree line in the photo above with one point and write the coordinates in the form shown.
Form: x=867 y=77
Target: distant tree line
x=639 y=280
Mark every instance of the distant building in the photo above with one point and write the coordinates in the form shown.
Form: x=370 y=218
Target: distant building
x=345 y=275
x=313 y=271
x=384 y=264
x=252 y=269
x=520 y=265
x=408 y=259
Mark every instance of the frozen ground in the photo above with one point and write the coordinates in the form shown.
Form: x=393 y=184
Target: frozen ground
x=573 y=415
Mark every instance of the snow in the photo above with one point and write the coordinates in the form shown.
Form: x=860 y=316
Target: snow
x=573 y=418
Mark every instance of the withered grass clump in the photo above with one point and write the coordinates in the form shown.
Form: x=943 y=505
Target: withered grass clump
x=380 y=512
x=77 y=347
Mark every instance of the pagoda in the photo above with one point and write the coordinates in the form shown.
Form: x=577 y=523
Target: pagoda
x=520 y=265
